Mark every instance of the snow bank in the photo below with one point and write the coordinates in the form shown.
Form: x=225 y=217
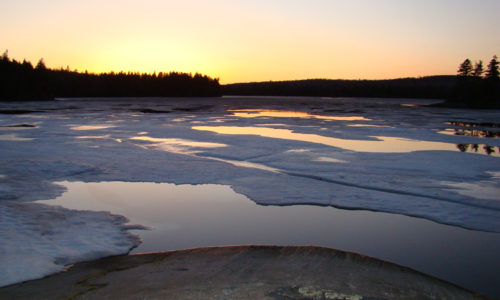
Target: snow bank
x=38 y=240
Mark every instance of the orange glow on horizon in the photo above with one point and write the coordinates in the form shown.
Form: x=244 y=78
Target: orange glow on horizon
x=246 y=41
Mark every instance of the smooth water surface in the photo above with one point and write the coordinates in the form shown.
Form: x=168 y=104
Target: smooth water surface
x=379 y=144
x=187 y=216
x=272 y=113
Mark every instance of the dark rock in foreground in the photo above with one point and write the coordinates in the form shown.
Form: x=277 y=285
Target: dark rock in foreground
x=239 y=272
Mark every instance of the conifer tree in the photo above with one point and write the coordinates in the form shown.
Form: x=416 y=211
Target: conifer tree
x=5 y=56
x=465 y=68
x=478 y=69
x=41 y=65
x=492 y=71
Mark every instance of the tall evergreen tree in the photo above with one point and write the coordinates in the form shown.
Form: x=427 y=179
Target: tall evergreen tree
x=478 y=69
x=492 y=71
x=465 y=68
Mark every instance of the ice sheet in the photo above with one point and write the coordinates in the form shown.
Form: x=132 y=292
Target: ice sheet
x=441 y=184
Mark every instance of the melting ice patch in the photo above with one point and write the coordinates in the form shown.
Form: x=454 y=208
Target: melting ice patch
x=484 y=189
x=14 y=138
x=107 y=136
x=176 y=145
x=330 y=159
x=38 y=240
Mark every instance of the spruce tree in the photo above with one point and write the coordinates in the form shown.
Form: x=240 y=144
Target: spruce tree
x=465 y=68
x=492 y=71
x=478 y=69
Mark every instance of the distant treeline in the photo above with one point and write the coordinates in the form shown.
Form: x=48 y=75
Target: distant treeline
x=439 y=87
x=21 y=81
x=473 y=87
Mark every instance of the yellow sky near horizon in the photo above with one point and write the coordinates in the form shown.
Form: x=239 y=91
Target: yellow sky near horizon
x=241 y=40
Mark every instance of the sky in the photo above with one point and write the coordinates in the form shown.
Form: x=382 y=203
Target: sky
x=258 y=40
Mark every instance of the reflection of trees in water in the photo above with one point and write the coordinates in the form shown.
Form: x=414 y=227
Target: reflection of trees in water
x=473 y=124
x=477 y=133
x=463 y=147
x=484 y=133
x=489 y=149
x=475 y=148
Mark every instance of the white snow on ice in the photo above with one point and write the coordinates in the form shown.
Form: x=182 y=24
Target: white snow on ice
x=13 y=138
x=38 y=240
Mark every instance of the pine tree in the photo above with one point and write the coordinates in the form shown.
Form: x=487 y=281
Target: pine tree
x=492 y=71
x=5 y=56
x=478 y=69
x=465 y=68
x=41 y=65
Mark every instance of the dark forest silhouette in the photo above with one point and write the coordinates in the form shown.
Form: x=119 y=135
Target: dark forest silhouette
x=474 y=87
x=21 y=81
x=432 y=87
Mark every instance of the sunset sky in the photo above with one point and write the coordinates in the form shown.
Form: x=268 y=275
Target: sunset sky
x=258 y=40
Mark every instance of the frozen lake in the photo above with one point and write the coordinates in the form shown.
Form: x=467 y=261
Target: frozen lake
x=388 y=178
x=189 y=216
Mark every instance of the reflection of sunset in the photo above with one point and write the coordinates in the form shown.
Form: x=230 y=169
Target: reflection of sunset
x=382 y=144
x=91 y=127
x=255 y=113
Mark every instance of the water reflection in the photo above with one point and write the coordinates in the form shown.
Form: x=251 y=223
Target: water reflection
x=368 y=125
x=382 y=144
x=470 y=132
x=256 y=113
x=476 y=148
x=478 y=131
x=186 y=216
x=473 y=124
x=91 y=127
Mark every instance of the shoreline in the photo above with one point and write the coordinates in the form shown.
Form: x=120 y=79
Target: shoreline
x=239 y=272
